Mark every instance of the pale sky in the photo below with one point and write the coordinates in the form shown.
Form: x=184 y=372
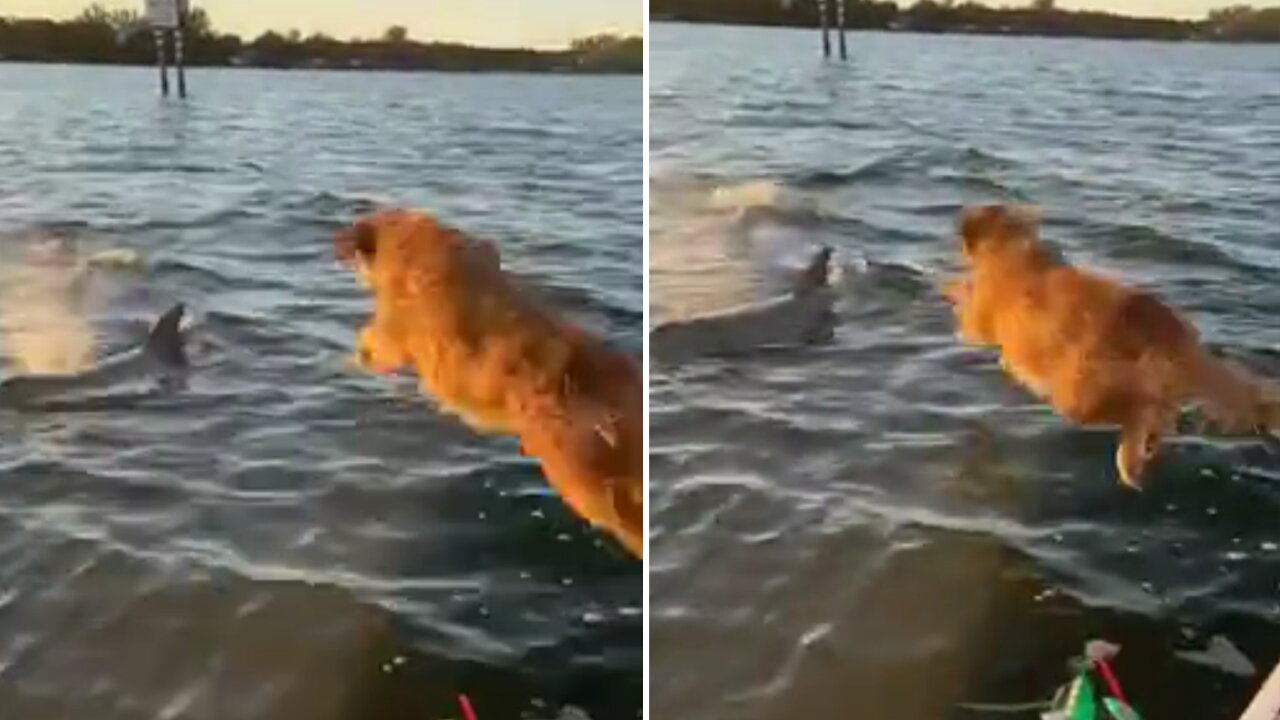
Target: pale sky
x=1185 y=9
x=503 y=23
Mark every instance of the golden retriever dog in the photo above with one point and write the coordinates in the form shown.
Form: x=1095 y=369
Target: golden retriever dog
x=1098 y=351
x=489 y=353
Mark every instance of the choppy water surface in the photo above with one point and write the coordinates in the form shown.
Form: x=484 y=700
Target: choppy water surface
x=885 y=528
x=288 y=538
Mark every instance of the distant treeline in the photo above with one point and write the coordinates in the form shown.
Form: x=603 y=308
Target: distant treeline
x=1239 y=23
x=102 y=36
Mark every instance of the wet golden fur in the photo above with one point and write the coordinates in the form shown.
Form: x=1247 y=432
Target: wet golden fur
x=488 y=352
x=1098 y=351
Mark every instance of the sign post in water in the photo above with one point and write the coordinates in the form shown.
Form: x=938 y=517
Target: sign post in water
x=167 y=19
x=824 y=21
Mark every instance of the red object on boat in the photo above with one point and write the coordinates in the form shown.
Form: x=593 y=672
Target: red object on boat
x=468 y=712
x=1112 y=684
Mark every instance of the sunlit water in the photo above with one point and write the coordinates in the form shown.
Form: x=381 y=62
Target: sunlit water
x=885 y=528
x=288 y=538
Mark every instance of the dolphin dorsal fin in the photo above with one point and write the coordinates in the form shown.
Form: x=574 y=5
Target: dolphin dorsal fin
x=166 y=343
x=817 y=275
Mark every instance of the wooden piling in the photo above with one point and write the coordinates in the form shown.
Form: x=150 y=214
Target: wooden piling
x=822 y=18
x=182 y=77
x=161 y=63
x=844 y=53
x=168 y=19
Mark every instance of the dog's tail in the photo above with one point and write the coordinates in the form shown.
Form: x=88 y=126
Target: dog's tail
x=1235 y=399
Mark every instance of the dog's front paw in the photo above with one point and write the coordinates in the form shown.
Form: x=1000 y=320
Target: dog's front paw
x=1130 y=481
x=376 y=355
x=1138 y=448
x=958 y=292
x=968 y=332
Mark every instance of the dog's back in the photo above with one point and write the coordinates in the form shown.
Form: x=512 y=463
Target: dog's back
x=1089 y=345
x=575 y=403
x=1100 y=352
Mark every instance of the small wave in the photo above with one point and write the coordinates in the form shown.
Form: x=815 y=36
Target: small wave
x=61 y=230
x=750 y=193
x=117 y=258
x=578 y=300
x=892 y=283
x=527 y=131
x=789 y=107
x=116 y=401
x=881 y=168
x=973 y=156
x=1130 y=93
x=203 y=221
x=1149 y=243
x=945 y=210
x=984 y=185
x=127 y=167
x=756 y=203
x=969 y=165
x=794 y=216
x=767 y=120
x=337 y=204
x=198 y=275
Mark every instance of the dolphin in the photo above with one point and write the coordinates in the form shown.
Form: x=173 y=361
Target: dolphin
x=804 y=316
x=162 y=358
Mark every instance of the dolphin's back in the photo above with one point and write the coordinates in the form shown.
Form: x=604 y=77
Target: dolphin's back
x=804 y=316
x=163 y=356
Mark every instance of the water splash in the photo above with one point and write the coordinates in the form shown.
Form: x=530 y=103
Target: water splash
x=47 y=296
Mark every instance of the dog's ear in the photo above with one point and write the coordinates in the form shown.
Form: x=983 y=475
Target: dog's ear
x=1004 y=223
x=1024 y=218
x=976 y=224
x=360 y=240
